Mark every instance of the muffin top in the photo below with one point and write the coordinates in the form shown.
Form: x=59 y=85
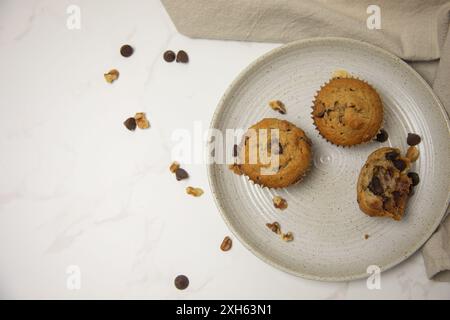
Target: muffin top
x=347 y=111
x=274 y=153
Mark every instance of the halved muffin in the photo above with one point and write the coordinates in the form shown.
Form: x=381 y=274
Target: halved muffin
x=384 y=186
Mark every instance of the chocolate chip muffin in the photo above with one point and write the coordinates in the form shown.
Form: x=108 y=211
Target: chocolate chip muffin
x=274 y=153
x=347 y=111
x=384 y=185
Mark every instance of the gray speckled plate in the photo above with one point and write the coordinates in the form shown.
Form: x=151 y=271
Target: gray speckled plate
x=323 y=215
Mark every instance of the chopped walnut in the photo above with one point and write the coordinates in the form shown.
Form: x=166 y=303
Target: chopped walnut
x=413 y=153
x=141 y=120
x=277 y=105
x=196 y=192
x=279 y=203
x=174 y=166
x=275 y=227
x=287 y=236
x=341 y=74
x=111 y=76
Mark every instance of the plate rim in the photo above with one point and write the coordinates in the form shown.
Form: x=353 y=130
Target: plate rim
x=210 y=166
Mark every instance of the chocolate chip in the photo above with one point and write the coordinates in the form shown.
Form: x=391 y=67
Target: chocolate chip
x=382 y=136
x=126 y=50
x=130 y=124
x=182 y=57
x=413 y=139
x=375 y=186
x=396 y=195
x=181 y=174
x=414 y=177
x=181 y=282
x=169 y=56
x=399 y=164
x=235 y=150
x=392 y=155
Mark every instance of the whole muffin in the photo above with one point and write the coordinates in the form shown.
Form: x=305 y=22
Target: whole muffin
x=347 y=111
x=383 y=185
x=274 y=153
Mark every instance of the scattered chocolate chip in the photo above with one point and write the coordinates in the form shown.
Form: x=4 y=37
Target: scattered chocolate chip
x=226 y=244
x=181 y=282
x=413 y=139
x=375 y=186
x=235 y=150
x=382 y=136
x=366 y=236
x=414 y=177
x=182 y=57
x=169 y=56
x=130 y=124
x=181 y=174
x=126 y=50
x=399 y=164
x=392 y=155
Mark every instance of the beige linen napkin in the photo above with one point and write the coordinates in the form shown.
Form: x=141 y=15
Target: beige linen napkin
x=415 y=30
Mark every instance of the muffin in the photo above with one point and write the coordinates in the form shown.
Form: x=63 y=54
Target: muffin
x=384 y=186
x=274 y=153
x=347 y=111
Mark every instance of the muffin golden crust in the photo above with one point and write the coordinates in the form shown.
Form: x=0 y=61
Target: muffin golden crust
x=384 y=186
x=274 y=153
x=347 y=111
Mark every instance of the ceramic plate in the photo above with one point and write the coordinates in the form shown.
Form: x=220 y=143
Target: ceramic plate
x=329 y=229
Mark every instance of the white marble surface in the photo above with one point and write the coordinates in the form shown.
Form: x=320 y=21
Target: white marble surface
x=77 y=188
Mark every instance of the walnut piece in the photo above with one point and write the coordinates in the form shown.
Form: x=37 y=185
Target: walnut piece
x=141 y=120
x=341 y=74
x=279 y=203
x=275 y=227
x=287 y=236
x=277 y=105
x=413 y=153
x=196 y=192
x=174 y=166
x=111 y=76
